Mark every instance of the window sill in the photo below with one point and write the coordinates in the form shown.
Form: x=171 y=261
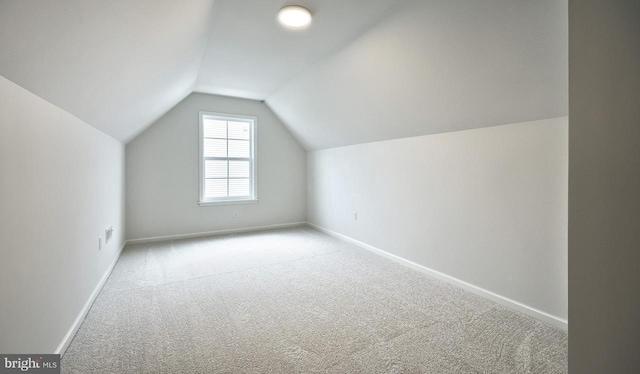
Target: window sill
x=227 y=202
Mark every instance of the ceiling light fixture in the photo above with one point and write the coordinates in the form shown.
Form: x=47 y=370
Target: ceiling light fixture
x=294 y=17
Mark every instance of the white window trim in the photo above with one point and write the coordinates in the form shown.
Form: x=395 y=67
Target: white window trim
x=254 y=160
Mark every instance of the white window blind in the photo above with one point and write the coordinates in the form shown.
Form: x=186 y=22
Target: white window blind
x=227 y=157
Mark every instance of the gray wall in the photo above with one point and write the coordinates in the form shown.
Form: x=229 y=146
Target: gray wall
x=162 y=174
x=486 y=206
x=61 y=185
x=604 y=186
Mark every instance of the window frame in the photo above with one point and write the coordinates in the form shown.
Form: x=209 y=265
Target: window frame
x=253 y=161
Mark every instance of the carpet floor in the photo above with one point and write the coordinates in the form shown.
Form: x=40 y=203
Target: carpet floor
x=296 y=301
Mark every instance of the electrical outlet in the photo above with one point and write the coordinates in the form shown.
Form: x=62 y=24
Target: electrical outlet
x=108 y=234
x=355 y=216
x=99 y=242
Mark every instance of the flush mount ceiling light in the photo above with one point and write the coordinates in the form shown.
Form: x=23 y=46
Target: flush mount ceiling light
x=294 y=17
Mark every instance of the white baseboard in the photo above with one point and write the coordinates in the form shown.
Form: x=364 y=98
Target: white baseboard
x=512 y=304
x=213 y=233
x=64 y=344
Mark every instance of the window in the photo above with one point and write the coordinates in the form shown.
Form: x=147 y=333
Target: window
x=227 y=158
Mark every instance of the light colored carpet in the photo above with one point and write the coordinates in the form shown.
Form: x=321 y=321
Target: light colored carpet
x=297 y=301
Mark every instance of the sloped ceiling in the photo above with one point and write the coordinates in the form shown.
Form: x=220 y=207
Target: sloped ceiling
x=435 y=66
x=250 y=55
x=365 y=70
x=117 y=64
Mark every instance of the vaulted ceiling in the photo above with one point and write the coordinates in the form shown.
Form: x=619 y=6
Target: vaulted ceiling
x=365 y=70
